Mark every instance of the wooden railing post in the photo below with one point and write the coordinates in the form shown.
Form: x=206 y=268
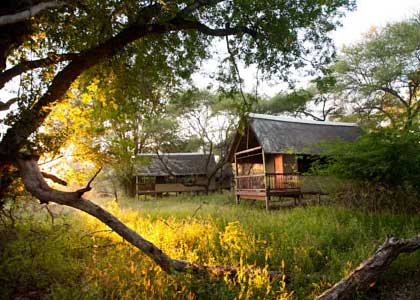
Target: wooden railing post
x=266 y=184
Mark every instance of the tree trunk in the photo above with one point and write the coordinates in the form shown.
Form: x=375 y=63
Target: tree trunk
x=368 y=272
x=37 y=186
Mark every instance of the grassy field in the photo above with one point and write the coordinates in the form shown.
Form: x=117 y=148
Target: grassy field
x=72 y=256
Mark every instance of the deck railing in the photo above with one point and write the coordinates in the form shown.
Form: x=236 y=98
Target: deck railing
x=271 y=181
x=146 y=187
x=250 y=182
x=282 y=181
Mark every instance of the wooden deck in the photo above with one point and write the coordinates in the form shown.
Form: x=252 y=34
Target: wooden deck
x=268 y=185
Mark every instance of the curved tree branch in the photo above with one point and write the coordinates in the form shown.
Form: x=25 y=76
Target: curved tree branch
x=367 y=273
x=395 y=94
x=31 y=119
x=37 y=186
x=24 y=66
x=82 y=191
x=197 y=4
x=6 y=105
x=30 y=12
x=54 y=178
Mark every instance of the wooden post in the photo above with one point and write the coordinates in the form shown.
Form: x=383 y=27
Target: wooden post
x=247 y=137
x=267 y=202
x=267 y=197
x=238 y=198
x=137 y=187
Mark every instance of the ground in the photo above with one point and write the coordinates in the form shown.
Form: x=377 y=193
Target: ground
x=74 y=256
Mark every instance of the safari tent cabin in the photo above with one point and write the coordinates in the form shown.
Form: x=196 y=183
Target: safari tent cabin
x=270 y=152
x=157 y=174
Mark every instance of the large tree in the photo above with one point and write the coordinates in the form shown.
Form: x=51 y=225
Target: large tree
x=207 y=121
x=50 y=44
x=313 y=102
x=380 y=75
x=379 y=79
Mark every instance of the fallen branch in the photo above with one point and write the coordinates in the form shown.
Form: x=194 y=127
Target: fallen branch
x=35 y=183
x=88 y=187
x=368 y=272
x=54 y=178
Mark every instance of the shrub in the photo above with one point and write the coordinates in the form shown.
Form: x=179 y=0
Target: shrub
x=381 y=168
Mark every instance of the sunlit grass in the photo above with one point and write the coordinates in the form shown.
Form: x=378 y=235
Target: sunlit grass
x=78 y=257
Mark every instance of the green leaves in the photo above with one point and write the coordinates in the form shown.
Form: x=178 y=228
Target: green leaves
x=140 y=53
x=387 y=157
x=290 y=102
x=380 y=75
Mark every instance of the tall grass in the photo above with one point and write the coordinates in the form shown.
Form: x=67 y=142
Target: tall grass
x=77 y=257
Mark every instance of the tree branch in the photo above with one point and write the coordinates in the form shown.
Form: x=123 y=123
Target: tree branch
x=51 y=160
x=238 y=74
x=309 y=114
x=197 y=5
x=88 y=187
x=395 y=94
x=161 y=159
x=29 y=120
x=389 y=115
x=54 y=178
x=367 y=273
x=24 y=66
x=6 y=105
x=36 y=185
x=30 y=12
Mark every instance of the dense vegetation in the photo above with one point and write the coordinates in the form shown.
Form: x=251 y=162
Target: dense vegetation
x=101 y=93
x=80 y=258
x=374 y=82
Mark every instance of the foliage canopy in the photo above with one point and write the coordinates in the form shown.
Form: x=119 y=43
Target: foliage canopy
x=380 y=75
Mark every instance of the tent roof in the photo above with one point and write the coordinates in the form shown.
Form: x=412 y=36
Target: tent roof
x=177 y=164
x=281 y=135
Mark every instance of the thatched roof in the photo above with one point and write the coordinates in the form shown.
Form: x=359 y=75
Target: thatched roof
x=178 y=164
x=282 y=135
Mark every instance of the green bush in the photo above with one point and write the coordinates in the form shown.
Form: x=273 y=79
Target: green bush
x=380 y=170
x=387 y=156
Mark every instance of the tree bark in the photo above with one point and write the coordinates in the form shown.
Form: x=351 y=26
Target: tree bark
x=35 y=183
x=153 y=20
x=6 y=105
x=30 y=120
x=29 y=12
x=367 y=273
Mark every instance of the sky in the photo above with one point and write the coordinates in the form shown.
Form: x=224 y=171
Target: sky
x=373 y=13
x=368 y=14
